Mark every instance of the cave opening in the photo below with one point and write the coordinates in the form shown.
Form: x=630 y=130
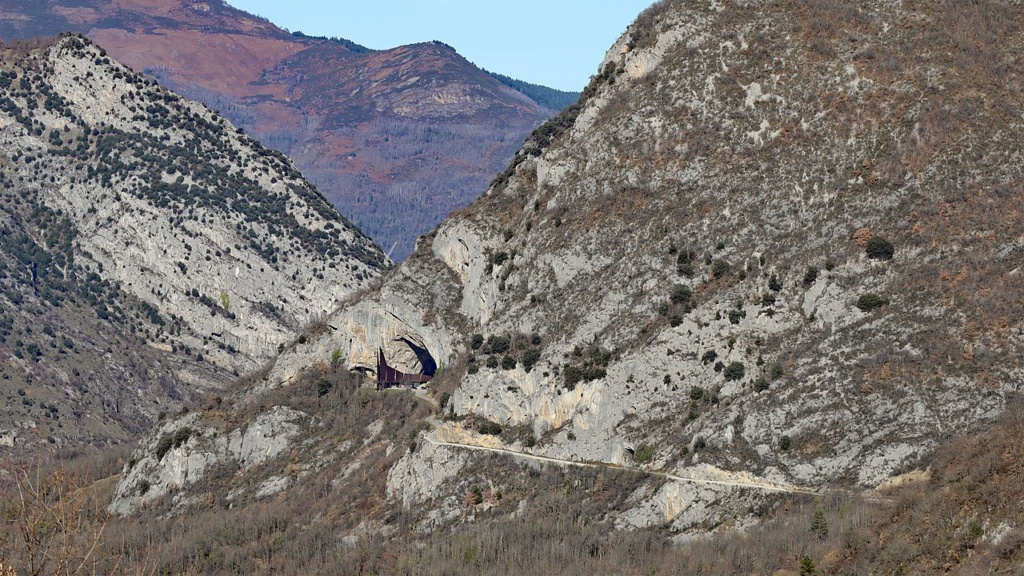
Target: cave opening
x=423 y=355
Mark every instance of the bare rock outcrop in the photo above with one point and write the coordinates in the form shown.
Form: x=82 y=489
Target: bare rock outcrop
x=701 y=228
x=180 y=454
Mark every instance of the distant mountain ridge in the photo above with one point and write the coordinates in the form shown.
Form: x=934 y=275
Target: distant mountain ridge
x=547 y=97
x=396 y=139
x=357 y=48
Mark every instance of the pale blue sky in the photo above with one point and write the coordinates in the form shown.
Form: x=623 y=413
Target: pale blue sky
x=557 y=43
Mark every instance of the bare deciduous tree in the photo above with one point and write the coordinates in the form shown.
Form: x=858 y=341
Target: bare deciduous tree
x=50 y=525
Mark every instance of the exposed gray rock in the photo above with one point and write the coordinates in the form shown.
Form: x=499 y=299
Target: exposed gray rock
x=150 y=475
x=592 y=229
x=415 y=478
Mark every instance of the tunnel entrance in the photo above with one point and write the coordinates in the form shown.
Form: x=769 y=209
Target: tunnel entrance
x=390 y=377
x=426 y=360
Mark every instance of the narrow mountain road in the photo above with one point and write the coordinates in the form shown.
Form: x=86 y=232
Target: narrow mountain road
x=432 y=438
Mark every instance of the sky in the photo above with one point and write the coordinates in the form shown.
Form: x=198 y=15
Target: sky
x=556 y=43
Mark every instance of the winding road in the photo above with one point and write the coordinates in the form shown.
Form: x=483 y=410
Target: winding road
x=766 y=486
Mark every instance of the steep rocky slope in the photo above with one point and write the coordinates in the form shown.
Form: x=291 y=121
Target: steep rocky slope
x=776 y=243
x=396 y=139
x=150 y=250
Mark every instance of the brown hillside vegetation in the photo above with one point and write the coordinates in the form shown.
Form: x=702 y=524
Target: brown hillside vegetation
x=963 y=517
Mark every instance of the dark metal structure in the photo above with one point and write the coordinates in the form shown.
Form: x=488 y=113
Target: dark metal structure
x=388 y=377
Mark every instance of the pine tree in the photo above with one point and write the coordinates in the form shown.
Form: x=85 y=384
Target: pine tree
x=807 y=567
x=819 y=525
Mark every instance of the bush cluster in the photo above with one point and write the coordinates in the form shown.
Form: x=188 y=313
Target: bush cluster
x=720 y=268
x=680 y=302
x=485 y=426
x=644 y=453
x=811 y=276
x=879 y=248
x=505 y=351
x=168 y=441
x=870 y=301
x=734 y=371
x=586 y=365
x=684 y=263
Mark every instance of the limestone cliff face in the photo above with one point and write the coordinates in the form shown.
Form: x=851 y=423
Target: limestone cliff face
x=697 y=221
x=180 y=453
x=729 y=151
x=390 y=322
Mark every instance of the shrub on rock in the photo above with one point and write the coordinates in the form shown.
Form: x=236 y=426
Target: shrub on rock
x=879 y=248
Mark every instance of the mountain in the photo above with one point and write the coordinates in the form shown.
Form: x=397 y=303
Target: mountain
x=395 y=139
x=756 y=299
x=150 y=251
